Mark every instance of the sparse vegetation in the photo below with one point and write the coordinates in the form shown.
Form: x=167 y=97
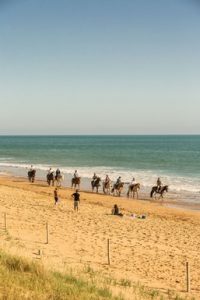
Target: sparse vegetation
x=22 y=279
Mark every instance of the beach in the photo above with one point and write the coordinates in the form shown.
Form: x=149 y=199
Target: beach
x=152 y=251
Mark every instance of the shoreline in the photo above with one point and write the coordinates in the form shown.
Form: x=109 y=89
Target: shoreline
x=85 y=186
x=179 y=193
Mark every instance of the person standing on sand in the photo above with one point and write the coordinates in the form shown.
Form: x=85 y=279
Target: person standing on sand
x=56 y=196
x=76 y=197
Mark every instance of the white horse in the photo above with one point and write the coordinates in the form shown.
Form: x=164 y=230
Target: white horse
x=58 y=179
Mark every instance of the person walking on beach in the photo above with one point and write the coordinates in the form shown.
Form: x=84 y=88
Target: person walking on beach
x=76 y=197
x=159 y=183
x=56 y=196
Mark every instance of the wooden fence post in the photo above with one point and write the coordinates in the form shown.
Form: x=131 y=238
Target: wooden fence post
x=5 y=222
x=188 y=277
x=108 y=248
x=47 y=233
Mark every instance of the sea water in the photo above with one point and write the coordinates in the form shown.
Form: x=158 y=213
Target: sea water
x=173 y=158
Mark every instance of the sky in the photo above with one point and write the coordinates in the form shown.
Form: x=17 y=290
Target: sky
x=99 y=67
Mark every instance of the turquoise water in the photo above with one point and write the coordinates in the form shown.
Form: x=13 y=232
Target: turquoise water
x=176 y=159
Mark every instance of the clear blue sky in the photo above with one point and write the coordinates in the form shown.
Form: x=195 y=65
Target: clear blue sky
x=99 y=66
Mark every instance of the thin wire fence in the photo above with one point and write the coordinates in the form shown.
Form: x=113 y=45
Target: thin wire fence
x=108 y=251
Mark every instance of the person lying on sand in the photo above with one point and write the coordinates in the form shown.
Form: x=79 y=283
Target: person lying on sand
x=134 y=216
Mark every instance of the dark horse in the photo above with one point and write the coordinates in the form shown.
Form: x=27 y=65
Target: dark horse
x=50 y=179
x=159 y=191
x=96 y=184
x=133 y=189
x=76 y=181
x=31 y=175
x=117 y=188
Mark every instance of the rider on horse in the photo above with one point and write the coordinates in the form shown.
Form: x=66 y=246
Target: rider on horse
x=107 y=179
x=132 y=182
x=118 y=181
x=159 y=184
x=50 y=171
x=76 y=175
x=94 y=178
x=57 y=173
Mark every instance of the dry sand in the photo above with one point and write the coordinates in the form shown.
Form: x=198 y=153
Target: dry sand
x=153 y=251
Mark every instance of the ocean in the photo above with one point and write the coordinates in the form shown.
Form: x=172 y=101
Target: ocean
x=173 y=158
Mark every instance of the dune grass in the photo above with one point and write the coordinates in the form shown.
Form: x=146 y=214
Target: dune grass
x=21 y=279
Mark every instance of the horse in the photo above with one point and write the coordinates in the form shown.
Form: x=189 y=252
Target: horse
x=96 y=184
x=50 y=179
x=117 y=188
x=31 y=175
x=59 y=178
x=106 y=187
x=76 y=181
x=133 y=189
x=160 y=191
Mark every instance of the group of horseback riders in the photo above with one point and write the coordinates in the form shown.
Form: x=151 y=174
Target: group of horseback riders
x=95 y=182
x=51 y=172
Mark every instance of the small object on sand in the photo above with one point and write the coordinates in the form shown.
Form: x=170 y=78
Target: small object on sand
x=133 y=216
x=142 y=217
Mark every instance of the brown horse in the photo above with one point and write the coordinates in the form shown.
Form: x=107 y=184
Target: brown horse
x=117 y=189
x=133 y=189
x=106 y=187
x=76 y=181
x=50 y=179
x=31 y=175
x=159 y=191
x=96 y=184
